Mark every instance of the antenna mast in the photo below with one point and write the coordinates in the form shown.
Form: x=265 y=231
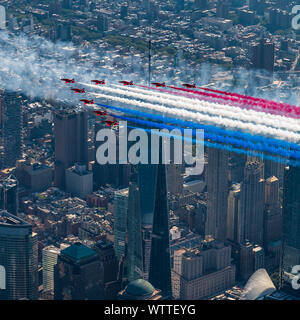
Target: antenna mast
x=149 y=57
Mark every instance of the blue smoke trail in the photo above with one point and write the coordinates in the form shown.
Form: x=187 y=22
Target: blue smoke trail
x=217 y=145
x=207 y=143
x=220 y=138
x=240 y=135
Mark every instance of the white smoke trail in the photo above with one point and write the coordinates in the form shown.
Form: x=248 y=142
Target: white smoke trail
x=224 y=111
x=252 y=128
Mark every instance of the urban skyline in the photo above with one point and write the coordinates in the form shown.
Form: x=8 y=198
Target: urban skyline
x=72 y=228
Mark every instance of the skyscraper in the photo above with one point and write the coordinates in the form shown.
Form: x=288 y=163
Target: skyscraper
x=233 y=212
x=114 y=174
x=264 y=55
x=273 y=212
x=203 y=271
x=70 y=132
x=77 y=274
x=19 y=257
x=134 y=254
x=11 y=125
x=251 y=221
x=160 y=264
x=9 y=194
x=120 y=223
x=49 y=260
x=291 y=218
x=217 y=189
x=108 y=261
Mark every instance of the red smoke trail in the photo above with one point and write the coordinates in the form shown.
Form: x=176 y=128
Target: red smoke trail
x=231 y=101
x=242 y=96
x=280 y=109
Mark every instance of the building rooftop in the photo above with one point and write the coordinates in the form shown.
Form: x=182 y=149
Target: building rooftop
x=139 y=287
x=78 y=251
x=8 y=219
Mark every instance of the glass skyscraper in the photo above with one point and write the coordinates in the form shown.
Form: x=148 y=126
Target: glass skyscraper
x=291 y=218
x=134 y=255
x=19 y=257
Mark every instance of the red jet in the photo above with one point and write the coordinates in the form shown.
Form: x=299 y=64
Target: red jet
x=98 y=81
x=86 y=101
x=158 y=84
x=189 y=86
x=76 y=90
x=66 y=80
x=100 y=113
x=127 y=83
x=110 y=123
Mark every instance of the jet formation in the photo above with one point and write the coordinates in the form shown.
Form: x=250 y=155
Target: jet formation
x=111 y=123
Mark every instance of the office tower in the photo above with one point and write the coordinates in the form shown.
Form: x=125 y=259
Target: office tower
x=275 y=169
x=257 y=6
x=19 y=257
x=120 y=223
x=146 y=246
x=252 y=258
x=34 y=177
x=111 y=275
x=113 y=174
x=174 y=178
x=251 y=222
x=70 y=133
x=273 y=212
x=124 y=11
x=233 y=212
x=11 y=124
x=203 y=271
x=9 y=194
x=147 y=180
x=108 y=261
x=134 y=254
x=217 y=189
x=79 y=181
x=236 y=167
x=77 y=274
x=133 y=211
x=49 y=260
x=197 y=217
x=264 y=55
x=160 y=264
x=223 y=9
x=102 y=23
x=63 y=31
x=140 y=290
x=291 y=218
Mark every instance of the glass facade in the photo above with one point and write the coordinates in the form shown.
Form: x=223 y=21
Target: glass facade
x=19 y=256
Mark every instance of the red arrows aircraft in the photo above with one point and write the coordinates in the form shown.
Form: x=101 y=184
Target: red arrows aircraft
x=110 y=123
x=189 y=86
x=66 y=80
x=158 y=84
x=127 y=83
x=98 y=81
x=76 y=90
x=100 y=113
x=86 y=101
